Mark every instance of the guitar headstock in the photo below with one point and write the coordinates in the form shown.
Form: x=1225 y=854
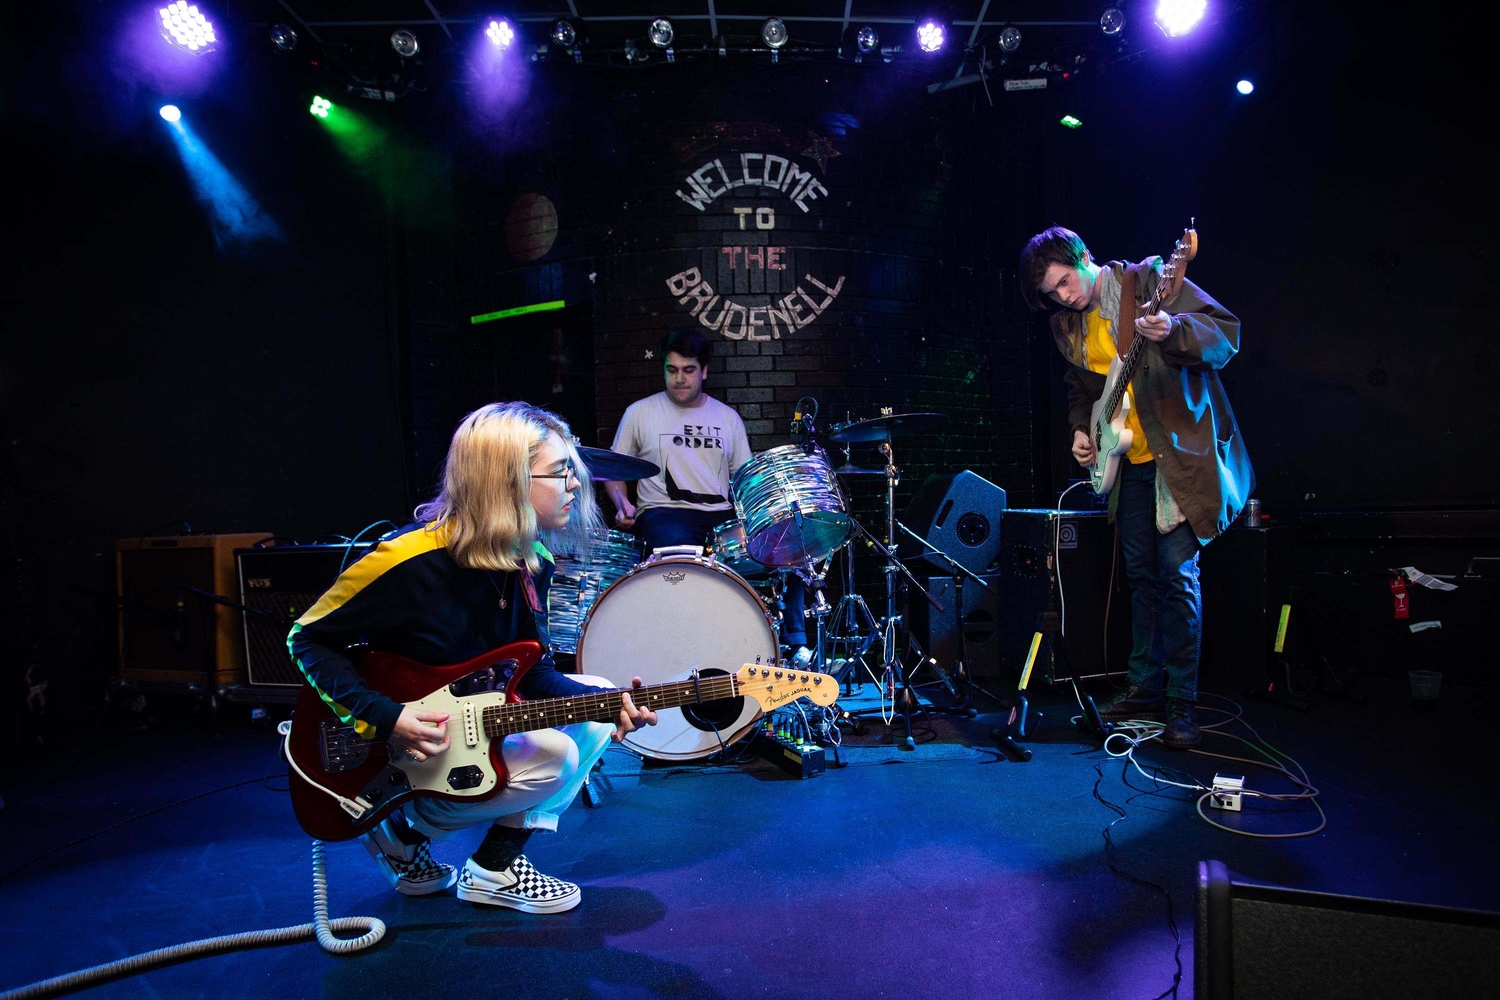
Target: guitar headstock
x=774 y=686
x=1175 y=268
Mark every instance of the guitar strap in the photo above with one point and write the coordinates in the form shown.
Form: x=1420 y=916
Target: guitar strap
x=1125 y=323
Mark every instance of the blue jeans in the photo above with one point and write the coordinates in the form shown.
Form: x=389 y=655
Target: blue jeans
x=663 y=526
x=1166 y=605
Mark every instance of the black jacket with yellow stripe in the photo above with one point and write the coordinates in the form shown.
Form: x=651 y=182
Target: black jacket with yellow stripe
x=408 y=597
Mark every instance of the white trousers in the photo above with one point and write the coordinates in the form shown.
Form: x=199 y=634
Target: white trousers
x=547 y=768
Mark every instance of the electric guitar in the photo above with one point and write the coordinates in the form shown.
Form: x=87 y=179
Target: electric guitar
x=342 y=784
x=1107 y=430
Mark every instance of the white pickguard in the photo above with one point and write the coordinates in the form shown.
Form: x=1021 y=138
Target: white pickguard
x=1112 y=439
x=469 y=746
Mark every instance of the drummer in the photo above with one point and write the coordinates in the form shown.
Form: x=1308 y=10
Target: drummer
x=698 y=443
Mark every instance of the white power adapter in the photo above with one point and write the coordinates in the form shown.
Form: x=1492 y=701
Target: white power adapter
x=1227 y=792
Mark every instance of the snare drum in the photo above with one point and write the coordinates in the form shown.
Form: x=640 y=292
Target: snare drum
x=580 y=578
x=732 y=549
x=665 y=618
x=791 y=506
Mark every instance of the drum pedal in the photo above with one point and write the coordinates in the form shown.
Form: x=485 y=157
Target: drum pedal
x=796 y=757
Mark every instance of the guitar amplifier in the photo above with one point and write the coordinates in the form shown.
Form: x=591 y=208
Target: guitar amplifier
x=167 y=633
x=1059 y=564
x=281 y=582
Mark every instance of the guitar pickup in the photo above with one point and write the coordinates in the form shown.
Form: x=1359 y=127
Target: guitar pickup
x=471 y=725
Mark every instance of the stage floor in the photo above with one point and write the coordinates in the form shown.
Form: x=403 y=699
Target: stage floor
x=946 y=871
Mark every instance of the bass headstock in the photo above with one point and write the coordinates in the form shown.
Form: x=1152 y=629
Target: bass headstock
x=1175 y=269
x=774 y=686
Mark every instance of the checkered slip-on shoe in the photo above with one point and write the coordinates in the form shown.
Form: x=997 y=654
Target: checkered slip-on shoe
x=412 y=871
x=520 y=887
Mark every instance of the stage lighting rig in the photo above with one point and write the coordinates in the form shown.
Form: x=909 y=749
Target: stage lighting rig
x=320 y=107
x=1245 y=87
x=500 y=33
x=404 y=43
x=564 y=34
x=1010 y=39
x=1112 y=21
x=170 y=113
x=932 y=35
x=867 y=40
x=186 y=27
x=283 y=37
x=1178 y=17
x=774 y=34
x=661 y=35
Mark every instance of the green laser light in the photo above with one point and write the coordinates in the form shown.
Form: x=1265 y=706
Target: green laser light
x=1070 y=121
x=517 y=311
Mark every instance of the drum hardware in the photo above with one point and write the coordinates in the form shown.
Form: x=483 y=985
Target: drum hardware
x=906 y=703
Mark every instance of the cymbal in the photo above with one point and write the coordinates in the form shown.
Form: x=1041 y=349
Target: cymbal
x=615 y=467
x=854 y=470
x=885 y=428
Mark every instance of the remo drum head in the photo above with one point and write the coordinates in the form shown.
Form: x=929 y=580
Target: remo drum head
x=662 y=620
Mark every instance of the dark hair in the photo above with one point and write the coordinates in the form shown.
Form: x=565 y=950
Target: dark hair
x=688 y=343
x=1050 y=246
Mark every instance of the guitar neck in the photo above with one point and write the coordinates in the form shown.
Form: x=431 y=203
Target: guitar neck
x=602 y=705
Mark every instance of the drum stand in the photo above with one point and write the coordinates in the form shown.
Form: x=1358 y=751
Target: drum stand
x=905 y=702
x=853 y=630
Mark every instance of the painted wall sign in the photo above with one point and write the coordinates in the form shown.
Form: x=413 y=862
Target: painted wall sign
x=740 y=321
x=751 y=170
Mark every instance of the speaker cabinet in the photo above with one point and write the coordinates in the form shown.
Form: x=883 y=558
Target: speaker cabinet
x=167 y=633
x=959 y=514
x=1264 y=941
x=282 y=582
x=939 y=631
x=1053 y=563
x=1246 y=577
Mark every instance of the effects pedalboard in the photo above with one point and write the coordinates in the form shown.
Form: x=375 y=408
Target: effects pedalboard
x=795 y=756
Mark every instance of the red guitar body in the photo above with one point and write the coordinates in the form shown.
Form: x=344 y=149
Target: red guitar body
x=365 y=773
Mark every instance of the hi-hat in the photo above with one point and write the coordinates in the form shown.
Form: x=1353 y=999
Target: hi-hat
x=885 y=428
x=615 y=467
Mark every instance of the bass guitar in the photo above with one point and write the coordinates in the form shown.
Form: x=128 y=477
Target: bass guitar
x=342 y=784
x=1107 y=430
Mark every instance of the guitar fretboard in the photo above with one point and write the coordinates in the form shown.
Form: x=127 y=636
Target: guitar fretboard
x=603 y=705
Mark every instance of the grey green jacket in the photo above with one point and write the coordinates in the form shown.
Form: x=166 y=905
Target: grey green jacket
x=1179 y=399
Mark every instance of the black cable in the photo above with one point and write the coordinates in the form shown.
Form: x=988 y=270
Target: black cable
x=1109 y=859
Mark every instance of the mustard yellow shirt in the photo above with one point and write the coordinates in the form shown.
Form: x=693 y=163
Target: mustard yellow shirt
x=1099 y=351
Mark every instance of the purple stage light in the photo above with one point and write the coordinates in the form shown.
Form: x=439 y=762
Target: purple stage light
x=185 y=27
x=500 y=33
x=1178 y=17
x=930 y=36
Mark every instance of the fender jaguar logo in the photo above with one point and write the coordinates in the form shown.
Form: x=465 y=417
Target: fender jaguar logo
x=675 y=577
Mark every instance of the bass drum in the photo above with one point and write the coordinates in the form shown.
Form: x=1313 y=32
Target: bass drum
x=662 y=620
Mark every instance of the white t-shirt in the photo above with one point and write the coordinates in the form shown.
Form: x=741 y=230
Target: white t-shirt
x=697 y=448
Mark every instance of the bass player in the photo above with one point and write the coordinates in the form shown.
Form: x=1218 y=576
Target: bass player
x=1187 y=474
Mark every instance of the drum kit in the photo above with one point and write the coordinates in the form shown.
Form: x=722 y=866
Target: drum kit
x=709 y=608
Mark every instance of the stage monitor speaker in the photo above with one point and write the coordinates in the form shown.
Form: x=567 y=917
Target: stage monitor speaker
x=284 y=581
x=1034 y=583
x=959 y=514
x=168 y=634
x=1265 y=942
x=938 y=631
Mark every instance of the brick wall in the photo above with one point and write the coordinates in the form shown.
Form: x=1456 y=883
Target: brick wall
x=908 y=207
